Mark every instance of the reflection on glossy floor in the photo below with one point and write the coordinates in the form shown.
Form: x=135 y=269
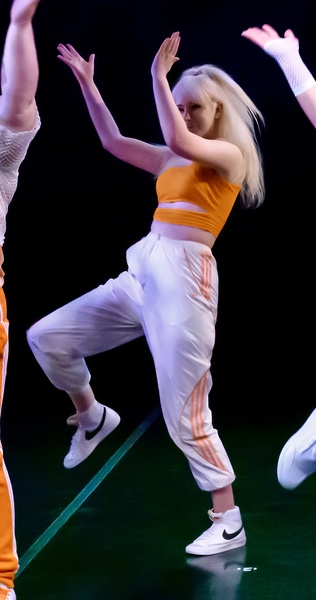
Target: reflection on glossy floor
x=116 y=527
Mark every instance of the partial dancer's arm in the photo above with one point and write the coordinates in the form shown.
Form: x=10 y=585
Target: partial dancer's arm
x=133 y=151
x=286 y=53
x=19 y=69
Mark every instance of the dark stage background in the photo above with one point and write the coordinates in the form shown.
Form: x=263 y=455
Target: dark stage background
x=77 y=209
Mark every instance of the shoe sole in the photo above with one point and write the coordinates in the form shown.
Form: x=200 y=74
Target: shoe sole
x=217 y=548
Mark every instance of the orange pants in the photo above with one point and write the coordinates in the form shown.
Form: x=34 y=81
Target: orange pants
x=8 y=554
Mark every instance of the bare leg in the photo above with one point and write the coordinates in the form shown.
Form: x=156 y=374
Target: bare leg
x=83 y=400
x=226 y=532
x=19 y=69
x=223 y=499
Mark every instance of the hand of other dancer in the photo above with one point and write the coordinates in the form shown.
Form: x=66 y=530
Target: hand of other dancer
x=260 y=36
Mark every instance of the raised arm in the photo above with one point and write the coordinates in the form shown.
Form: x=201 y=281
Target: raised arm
x=133 y=151
x=218 y=154
x=19 y=69
x=286 y=53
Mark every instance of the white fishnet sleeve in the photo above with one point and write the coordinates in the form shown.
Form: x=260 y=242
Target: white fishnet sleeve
x=286 y=53
x=13 y=149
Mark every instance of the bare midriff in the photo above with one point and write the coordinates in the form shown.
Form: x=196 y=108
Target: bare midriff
x=183 y=232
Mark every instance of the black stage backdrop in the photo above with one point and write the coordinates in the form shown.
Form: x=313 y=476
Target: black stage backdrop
x=77 y=209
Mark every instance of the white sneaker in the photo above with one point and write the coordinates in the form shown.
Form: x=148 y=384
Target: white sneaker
x=84 y=441
x=6 y=593
x=297 y=459
x=225 y=533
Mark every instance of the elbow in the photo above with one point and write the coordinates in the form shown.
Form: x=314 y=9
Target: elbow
x=179 y=145
x=105 y=145
x=175 y=144
x=110 y=143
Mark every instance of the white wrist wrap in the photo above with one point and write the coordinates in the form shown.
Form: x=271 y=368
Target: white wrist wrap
x=286 y=53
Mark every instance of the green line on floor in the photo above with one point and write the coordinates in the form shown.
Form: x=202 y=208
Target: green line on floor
x=85 y=493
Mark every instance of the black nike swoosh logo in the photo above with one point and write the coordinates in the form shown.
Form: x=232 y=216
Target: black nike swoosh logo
x=91 y=434
x=231 y=536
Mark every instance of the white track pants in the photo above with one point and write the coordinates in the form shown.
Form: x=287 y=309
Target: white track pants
x=169 y=294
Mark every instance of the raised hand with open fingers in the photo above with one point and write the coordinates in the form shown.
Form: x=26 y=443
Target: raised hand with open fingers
x=82 y=69
x=166 y=55
x=261 y=36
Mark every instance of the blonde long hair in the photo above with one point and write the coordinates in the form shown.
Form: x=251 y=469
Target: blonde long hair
x=238 y=122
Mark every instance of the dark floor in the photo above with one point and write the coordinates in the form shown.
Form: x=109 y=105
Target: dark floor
x=115 y=527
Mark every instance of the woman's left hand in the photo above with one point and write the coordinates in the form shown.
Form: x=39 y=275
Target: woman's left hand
x=166 y=55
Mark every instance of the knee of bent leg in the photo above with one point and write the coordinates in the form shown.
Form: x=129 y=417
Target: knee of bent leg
x=31 y=335
x=38 y=337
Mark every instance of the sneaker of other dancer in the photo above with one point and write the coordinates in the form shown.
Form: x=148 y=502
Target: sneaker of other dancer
x=87 y=437
x=7 y=593
x=297 y=459
x=226 y=532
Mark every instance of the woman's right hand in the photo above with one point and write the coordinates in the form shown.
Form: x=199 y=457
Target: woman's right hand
x=82 y=69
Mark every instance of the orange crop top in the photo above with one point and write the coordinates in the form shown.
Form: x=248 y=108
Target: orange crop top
x=199 y=185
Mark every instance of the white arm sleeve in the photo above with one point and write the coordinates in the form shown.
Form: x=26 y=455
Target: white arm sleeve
x=286 y=53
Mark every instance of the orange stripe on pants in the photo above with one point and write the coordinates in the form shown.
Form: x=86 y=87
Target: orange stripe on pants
x=8 y=555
